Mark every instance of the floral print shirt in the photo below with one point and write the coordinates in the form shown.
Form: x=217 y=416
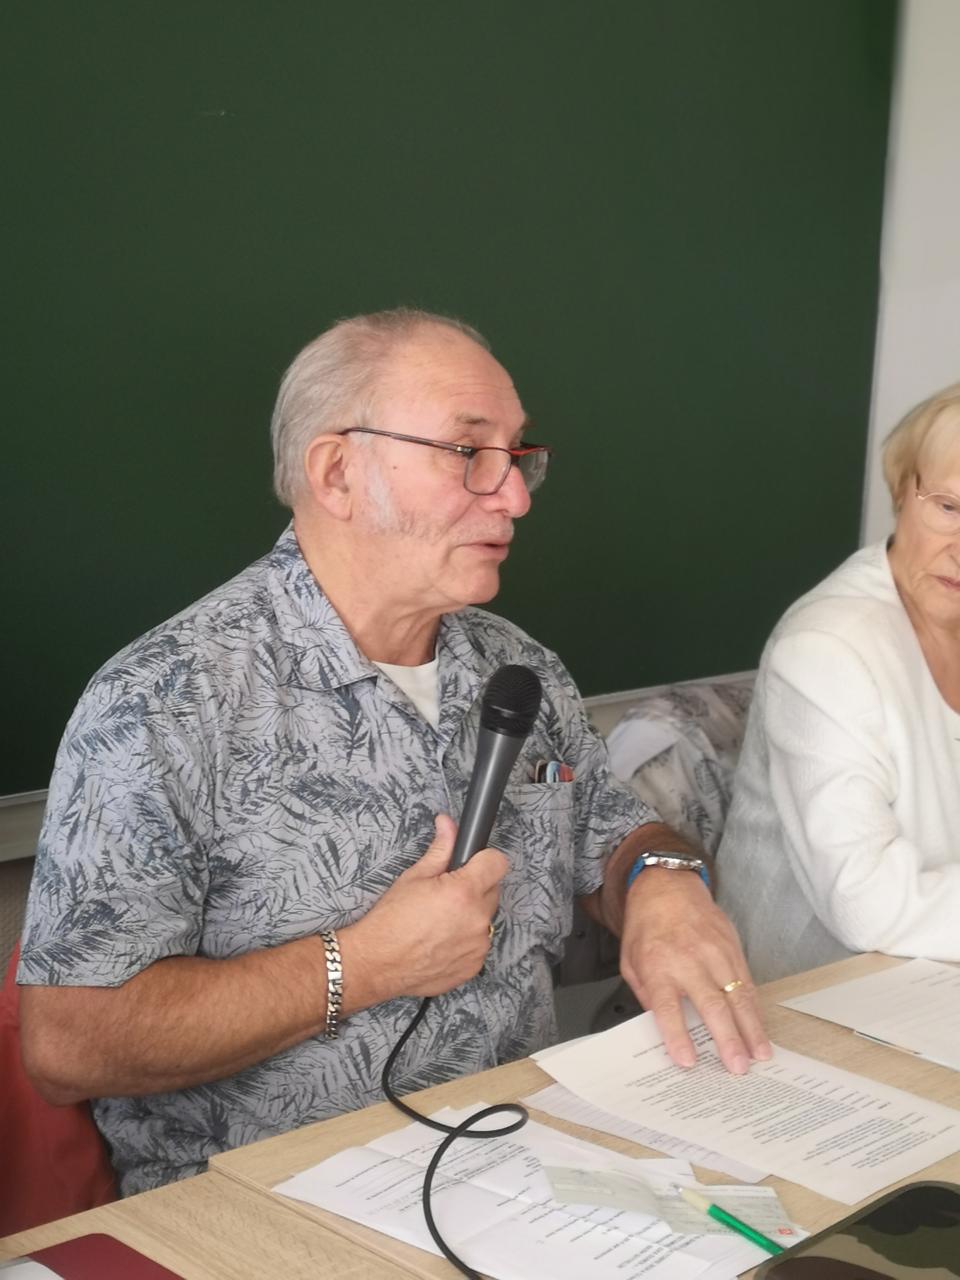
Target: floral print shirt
x=243 y=776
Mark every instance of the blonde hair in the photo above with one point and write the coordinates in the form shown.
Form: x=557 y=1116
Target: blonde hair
x=331 y=384
x=927 y=435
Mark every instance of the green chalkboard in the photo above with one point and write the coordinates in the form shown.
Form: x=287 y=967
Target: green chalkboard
x=664 y=213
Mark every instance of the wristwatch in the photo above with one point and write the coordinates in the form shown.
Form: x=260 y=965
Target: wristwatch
x=674 y=861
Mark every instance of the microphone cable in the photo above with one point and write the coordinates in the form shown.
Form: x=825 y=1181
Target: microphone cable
x=452 y=1132
x=508 y=708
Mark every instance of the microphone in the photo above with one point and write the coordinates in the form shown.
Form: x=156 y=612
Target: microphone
x=509 y=707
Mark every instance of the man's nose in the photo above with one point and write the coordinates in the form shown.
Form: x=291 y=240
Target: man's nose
x=513 y=495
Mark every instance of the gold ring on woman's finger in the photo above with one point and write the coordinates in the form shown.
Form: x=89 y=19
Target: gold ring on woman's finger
x=733 y=985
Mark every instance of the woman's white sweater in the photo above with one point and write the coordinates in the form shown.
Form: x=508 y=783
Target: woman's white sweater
x=844 y=830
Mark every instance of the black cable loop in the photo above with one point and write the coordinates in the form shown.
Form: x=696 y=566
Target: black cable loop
x=452 y=1132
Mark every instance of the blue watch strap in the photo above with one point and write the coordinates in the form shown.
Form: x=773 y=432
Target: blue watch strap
x=640 y=865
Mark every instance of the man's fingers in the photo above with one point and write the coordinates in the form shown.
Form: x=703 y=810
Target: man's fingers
x=745 y=1008
x=732 y=1017
x=711 y=1005
x=445 y=830
x=436 y=860
x=664 y=999
x=485 y=869
x=668 y=1012
x=733 y=1021
x=714 y=1008
x=738 y=1009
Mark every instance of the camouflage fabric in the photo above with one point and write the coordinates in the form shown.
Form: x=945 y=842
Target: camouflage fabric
x=242 y=776
x=913 y=1235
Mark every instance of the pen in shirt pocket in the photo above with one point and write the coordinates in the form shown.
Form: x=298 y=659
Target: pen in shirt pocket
x=552 y=771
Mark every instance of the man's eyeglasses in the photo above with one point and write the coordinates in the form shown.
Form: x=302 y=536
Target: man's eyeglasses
x=939 y=511
x=487 y=465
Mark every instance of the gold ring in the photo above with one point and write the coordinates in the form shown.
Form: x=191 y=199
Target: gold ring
x=492 y=929
x=733 y=985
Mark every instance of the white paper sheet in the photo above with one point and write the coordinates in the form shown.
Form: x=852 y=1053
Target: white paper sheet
x=913 y=1006
x=819 y=1126
x=26 y=1269
x=557 y=1101
x=493 y=1204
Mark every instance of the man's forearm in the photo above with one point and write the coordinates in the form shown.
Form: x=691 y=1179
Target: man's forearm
x=187 y=1020
x=183 y=1021
x=606 y=905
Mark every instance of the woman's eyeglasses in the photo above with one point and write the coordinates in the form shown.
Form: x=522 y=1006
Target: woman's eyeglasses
x=940 y=512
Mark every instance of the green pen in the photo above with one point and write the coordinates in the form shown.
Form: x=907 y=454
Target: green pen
x=720 y=1215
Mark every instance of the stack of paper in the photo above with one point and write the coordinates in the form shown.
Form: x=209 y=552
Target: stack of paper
x=557 y=1101
x=913 y=1006
x=495 y=1207
x=827 y=1129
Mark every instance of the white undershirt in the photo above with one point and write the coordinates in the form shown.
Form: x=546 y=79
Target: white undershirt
x=421 y=686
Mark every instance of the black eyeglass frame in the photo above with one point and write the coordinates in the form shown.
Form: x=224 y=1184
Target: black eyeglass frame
x=467 y=451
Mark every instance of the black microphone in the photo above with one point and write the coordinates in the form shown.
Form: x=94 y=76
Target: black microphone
x=509 y=707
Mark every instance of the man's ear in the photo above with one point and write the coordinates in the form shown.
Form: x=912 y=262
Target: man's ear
x=325 y=467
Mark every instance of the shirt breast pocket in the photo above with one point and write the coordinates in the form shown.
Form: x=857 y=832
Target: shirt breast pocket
x=535 y=828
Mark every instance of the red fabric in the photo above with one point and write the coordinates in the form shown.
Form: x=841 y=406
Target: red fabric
x=53 y=1161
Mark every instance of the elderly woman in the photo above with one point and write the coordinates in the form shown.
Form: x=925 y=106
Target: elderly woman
x=844 y=830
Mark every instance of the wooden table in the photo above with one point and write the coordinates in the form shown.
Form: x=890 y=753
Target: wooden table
x=209 y=1228
x=264 y=1164
x=228 y=1225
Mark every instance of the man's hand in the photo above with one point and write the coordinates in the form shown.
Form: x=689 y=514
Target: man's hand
x=430 y=932
x=186 y=1020
x=677 y=942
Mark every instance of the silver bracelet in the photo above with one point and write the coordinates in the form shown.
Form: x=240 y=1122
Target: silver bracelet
x=331 y=950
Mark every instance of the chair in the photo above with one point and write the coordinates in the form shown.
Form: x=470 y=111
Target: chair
x=676 y=747
x=54 y=1161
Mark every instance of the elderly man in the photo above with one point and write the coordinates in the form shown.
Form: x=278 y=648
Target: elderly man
x=242 y=880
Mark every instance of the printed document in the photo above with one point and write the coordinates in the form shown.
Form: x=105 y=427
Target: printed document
x=560 y=1102
x=494 y=1206
x=913 y=1006
x=827 y=1129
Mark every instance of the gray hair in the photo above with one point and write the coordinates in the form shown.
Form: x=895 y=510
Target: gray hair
x=331 y=384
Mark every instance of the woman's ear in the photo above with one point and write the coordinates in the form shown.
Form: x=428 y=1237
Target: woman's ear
x=325 y=468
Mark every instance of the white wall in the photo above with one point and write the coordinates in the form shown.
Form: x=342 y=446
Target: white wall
x=918 y=335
